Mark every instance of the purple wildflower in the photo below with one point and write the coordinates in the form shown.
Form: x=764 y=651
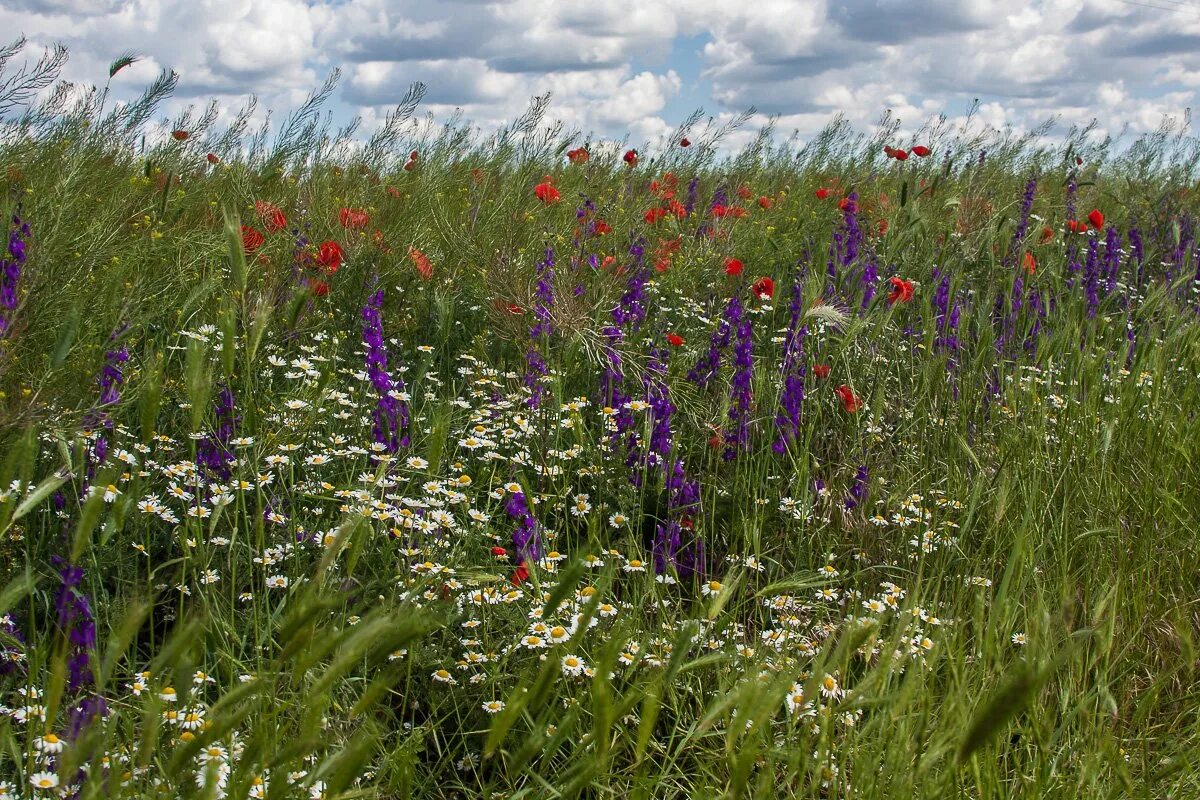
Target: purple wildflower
x=527 y=536
x=13 y=260
x=391 y=413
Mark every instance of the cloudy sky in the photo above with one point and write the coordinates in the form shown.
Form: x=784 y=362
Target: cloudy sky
x=641 y=66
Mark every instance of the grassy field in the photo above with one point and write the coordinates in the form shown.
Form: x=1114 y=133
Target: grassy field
x=450 y=465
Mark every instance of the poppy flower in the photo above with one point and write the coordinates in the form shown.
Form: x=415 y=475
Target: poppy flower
x=902 y=290
x=421 y=262
x=252 y=239
x=329 y=256
x=675 y=340
x=920 y=150
x=821 y=370
x=889 y=151
x=685 y=142
x=180 y=136
x=546 y=192
x=394 y=192
x=654 y=215
x=846 y=204
x=600 y=227
x=850 y=401
x=1078 y=161
x=733 y=267
x=765 y=203
x=212 y=158
x=499 y=552
x=320 y=288
x=520 y=575
x=900 y=155
x=763 y=288
x=410 y=165
x=271 y=216
x=1096 y=218
x=579 y=155
x=1047 y=234
x=353 y=218
x=744 y=192
x=882 y=227
x=822 y=193
x=1029 y=262
x=678 y=209
x=630 y=157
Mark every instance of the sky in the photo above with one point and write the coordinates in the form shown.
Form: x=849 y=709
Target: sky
x=639 y=67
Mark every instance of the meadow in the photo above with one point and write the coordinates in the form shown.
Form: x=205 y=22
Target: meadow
x=445 y=463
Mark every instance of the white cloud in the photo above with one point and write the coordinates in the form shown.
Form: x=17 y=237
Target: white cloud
x=620 y=67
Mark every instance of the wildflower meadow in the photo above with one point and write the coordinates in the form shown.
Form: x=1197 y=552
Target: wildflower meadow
x=449 y=463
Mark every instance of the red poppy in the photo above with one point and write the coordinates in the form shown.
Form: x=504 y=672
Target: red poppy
x=654 y=215
x=685 y=142
x=1096 y=218
x=180 y=136
x=499 y=552
x=678 y=209
x=763 y=288
x=546 y=192
x=729 y=211
x=520 y=575
x=329 y=256
x=394 y=192
x=1078 y=161
x=821 y=370
x=920 y=150
x=744 y=192
x=822 y=193
x=579 y=155
x=600 y=227
x=353 y=218
x=675 y=340
x=733 y=267
x=212 y=158
x=410 y=165
x=765 y=203
x=902 y=290
x=320 y=288
x=850 y=401
x=1047 y=234
x=1073 y=225
x=889 y=151
x=1029 y=262
x=900 y=155
x=630 y=157
x=882 y=227
x=272 y=217
x=412 y=156
x=846 y=204
x=252 y=239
